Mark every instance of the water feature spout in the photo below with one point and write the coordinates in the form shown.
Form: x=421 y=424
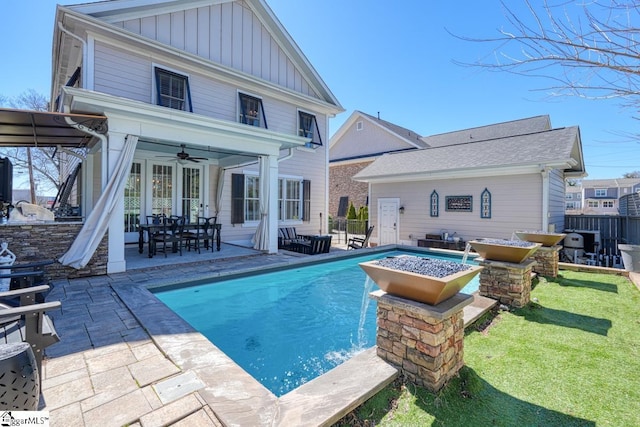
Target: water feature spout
x=368 y=287
x=467 y=248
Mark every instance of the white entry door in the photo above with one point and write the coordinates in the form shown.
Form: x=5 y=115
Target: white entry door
x=388 y=221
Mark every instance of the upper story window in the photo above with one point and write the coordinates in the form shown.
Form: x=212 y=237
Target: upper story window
x=172 y=90
x=359 y=125
x=601 y=192
x=308 y=128
x=568 y=196
x=607 y=203
x=251 y=111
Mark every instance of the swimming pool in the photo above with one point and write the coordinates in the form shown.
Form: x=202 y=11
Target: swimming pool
x=289 y=326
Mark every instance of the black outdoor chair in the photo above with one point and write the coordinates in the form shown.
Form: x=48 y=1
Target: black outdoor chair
x=27 y=322
x=359 y=242
x=315 y=245
x=171 y=235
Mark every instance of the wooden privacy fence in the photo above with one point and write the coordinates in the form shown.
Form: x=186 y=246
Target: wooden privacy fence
x=613 y=229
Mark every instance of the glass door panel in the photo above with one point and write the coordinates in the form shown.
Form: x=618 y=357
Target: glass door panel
x=162 y=190
x=191 y=190
x=132 y=203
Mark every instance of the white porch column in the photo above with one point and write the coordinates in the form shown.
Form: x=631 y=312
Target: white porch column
x=272 y=219
x=112 y=152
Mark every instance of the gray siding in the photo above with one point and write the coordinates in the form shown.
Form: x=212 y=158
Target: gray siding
x=556 y=200
x=228 y=34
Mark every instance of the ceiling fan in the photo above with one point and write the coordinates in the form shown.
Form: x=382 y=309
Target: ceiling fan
x=183 y=156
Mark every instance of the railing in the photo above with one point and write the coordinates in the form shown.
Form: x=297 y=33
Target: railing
x=344 y=227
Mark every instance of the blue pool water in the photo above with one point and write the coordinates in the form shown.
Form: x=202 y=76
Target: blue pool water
x=290 y=326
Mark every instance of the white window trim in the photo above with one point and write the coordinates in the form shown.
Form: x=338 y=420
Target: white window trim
x=600 y=192
x=359 y=125
x=293 y=178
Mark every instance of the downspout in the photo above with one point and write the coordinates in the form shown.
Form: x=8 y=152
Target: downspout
x=84 y=49
x=544 y=172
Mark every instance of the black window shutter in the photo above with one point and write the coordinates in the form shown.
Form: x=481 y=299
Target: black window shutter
x=306 y=200
x=237 y=198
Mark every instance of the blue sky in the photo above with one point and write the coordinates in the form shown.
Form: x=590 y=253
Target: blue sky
x=393 y=58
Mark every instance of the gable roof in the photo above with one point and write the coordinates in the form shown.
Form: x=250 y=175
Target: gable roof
x=110 y=17
x=493 y=131
x=610 y=183
x=554 y=149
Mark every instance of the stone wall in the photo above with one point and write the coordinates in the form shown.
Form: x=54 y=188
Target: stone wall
x=425 y=342
x=547 y=259
x=37 y=242
x=507 y=282
x=341 y=184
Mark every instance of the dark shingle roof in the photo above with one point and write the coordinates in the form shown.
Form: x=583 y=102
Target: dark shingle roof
x=549 y=147
x=405 y=133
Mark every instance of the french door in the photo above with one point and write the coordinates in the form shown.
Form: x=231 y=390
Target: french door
x=155 y=188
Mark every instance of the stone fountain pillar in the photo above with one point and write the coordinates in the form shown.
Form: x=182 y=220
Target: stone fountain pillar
x=425 y=342
x=547 y=258
x=507 y=282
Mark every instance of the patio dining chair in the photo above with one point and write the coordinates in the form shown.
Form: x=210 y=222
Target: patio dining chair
x=171 y=234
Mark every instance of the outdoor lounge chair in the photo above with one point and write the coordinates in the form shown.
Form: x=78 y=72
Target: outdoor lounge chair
x=315 y=245
x=287 y=237
x=359 y=242
x=28 y=322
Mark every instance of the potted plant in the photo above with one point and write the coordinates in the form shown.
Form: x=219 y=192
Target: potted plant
x=515 y=251
x=426 y=280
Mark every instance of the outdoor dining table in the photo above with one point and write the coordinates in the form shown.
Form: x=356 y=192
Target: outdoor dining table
x=149 y=229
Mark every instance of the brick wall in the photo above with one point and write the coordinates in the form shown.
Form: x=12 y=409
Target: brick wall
x=36 y=242
x=341 y=184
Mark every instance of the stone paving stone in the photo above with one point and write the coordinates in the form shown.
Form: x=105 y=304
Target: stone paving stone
x=136 y=336
x=102 y=351
x=67 y=416
x=198 y=419
x=119 y=412
x=172 y=412
x=146 y=350
x=110 y=361
x=101 y=340
x=63 y=365
x=152 y=369
x=67 y=377
x=68 y=393
x=109 y=386
x=152 y=397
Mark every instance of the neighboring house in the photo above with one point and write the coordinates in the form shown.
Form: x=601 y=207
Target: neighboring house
x=602 y=196
x=573 y=199
x=220 y=81
x=359 y=141
x=482 y=182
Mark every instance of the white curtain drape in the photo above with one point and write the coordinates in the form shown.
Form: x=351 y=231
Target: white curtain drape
x=261 y=238
x=97 y=222
x=219 y=188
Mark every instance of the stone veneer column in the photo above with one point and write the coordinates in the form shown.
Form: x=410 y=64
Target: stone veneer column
x=547 y=258
x=424 y=341
x=507 y=282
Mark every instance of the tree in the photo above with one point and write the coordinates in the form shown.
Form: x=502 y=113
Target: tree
x=589 y=49
x=634 y=174
x=42 y=164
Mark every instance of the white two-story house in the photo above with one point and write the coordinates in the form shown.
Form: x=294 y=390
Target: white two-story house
x=211 y=110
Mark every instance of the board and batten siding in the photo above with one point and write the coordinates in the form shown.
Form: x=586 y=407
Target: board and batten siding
x=210 y=97
x=556 y=200
x=371 y=139
x=515 y=205
x=229 y=34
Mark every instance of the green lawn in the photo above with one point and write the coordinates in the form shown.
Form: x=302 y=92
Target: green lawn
x=571 y=358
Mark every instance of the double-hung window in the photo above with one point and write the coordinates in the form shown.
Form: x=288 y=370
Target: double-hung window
x=601 y=192
x=251 y=111
x=294 y=199
x=172 y=90
x=290 y=199
x=308 y=128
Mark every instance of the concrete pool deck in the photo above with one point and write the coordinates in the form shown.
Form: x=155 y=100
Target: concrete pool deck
x=126 y=359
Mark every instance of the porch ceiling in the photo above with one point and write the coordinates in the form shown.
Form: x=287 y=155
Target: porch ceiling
x=26 y=128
